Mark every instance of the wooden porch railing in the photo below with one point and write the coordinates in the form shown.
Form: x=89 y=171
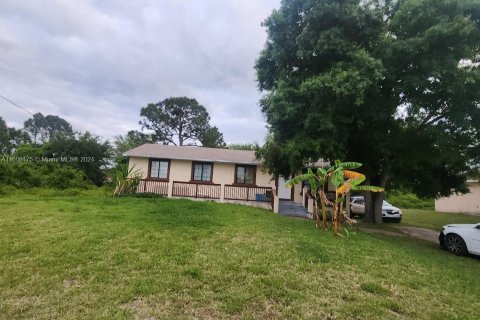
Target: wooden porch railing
x=196 y=190
x=246 y=193
x=153 y=186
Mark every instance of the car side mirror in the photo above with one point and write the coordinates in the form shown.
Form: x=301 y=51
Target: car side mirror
x=477 y=226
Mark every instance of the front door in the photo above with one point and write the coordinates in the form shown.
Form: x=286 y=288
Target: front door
x=283 y=191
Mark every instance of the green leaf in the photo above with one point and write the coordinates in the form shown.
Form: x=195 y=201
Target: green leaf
x=356 y=181
x=337 y=178
x=313 y=183
x=368 y=188
x=295 y=180
x=321 y=172
x=340 y=199
x=350 y=165
x=322 y=181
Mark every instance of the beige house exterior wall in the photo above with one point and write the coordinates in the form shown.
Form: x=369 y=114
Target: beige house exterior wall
x=298 y=193
x=181 y=170
x=140 y=164
x=263 y=179
x=468 y=203
x=223 y=174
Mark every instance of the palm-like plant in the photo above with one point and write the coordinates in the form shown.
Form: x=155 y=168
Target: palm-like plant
x=344 y=179
x=126 y=180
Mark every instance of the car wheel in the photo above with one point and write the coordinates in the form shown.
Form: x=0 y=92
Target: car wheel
x=441 y=240
x=455 y=244
x=352 y=214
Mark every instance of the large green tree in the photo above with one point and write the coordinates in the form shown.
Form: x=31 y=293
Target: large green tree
x=391 y=84
x=11 y=138
x=212 y=138
x=4 y=137
x=129 y=141
x=45 y=128
x=178 y=121
x=86 y=152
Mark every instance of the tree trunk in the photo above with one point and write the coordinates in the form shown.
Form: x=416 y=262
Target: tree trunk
x=316 y=214
x=180 y=133
x=373 y=207
x=374 y=201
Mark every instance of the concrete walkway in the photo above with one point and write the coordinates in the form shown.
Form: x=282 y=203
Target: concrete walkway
x=292 y=209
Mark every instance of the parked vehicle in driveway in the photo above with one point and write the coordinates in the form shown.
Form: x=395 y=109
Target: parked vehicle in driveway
x=460 y=239
x=389 y=212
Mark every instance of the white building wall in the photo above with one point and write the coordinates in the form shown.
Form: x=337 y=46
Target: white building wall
x=467 y=203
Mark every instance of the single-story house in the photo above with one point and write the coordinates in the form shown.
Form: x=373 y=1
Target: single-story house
x=222 y=175
x=462 y=203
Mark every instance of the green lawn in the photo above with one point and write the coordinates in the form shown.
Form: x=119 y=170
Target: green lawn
x=98 y=258
x=434 y=220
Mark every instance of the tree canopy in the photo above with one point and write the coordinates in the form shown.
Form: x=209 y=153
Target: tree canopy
x=129 y=141
x=180 y=121
x=47 y=128
x=86 y=152
x=243 y=146
x=392 y=84
x=212 y=138
x=11 y=138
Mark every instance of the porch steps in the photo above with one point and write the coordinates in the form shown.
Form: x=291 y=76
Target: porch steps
x=292 y=209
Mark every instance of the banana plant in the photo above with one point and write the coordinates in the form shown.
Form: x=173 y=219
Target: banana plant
x=344 y=179
x=317 y=182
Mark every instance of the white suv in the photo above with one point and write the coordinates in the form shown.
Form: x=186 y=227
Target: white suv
x=389 y=212
x=461 y=239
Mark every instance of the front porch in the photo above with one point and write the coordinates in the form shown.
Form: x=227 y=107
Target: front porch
x=256 y=196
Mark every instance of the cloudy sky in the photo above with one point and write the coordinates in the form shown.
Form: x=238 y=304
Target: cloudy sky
x=96 y=63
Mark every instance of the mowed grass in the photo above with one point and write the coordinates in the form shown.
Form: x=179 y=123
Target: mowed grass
x=99 y=258
x=434 y=220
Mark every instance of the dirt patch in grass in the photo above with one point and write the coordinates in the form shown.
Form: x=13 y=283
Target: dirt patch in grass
x=381 y=231
x=140 y=308
x=71 y=282
x=413 y=232
x=420 y=233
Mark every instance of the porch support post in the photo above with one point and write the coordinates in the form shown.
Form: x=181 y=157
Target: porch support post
x=170 y=188
x=304 y=197
x=276 y=203
x=222 y=193
x=310 y=205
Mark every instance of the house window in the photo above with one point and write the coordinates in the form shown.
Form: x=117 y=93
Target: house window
x=159 y=169
x=245 y=174
x=202 y=171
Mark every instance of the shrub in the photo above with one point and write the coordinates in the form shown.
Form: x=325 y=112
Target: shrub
x=126 y=180
x=408 y=200
x=146 y=195
x=8 y=190
x=25 y=175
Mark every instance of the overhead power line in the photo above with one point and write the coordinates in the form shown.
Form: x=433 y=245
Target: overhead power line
x=16 y=105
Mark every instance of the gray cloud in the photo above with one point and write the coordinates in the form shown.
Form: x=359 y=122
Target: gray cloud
x=96 y=63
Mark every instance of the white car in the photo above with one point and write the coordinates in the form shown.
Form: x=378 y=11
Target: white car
x=389 y=212
x=461 y=239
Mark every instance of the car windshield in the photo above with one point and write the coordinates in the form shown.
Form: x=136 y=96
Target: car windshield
x=385 y=203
